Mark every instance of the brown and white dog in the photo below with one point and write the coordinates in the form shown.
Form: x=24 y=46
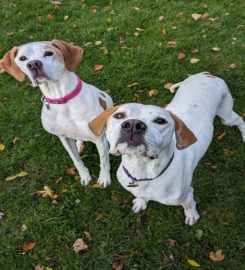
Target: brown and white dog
x=69 y=103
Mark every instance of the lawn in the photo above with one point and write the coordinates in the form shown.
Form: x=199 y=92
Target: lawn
x=137 y=41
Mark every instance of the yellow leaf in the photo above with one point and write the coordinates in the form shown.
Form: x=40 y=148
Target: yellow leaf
x=193 y=263
x=20 y=174
x=48 y=268
x=217 y=256
x=97 y=186
x=171 y=43
x=99 y=216
x=196 y=16
x=97 y=42
x=164 y=32
x=167 y=85
x=47 y=192
x=152 y=92
x=2 y=146
x=132 y=84
x=194 y=60
x=64 y=190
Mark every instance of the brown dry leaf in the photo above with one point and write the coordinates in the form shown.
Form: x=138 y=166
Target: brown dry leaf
x=87 y=235
x=38 y=267
x=118 y=265
x=105 y=50
x=20 y=174
x=171 y=44
x=98 y=68
x=56 y=3
x=114 y=198
x=99 y=217
x=160 y=18
x=181 y=56
x=97 y=186
x=195 y=50
x=47 y=192
x=232 y=66
x=50 y=17
x=227 y=152
x=132 y=84
x=71 y=171
x=205 y=15
x=29 y=246
x=169 y=258
x=193 y=263
x=220 y=137
x=194 y=60
x=216 y=256
x=152 y=92
x=58 y=180
x=216 y=49
x=16 y=139
x=171 y=242
x=196 y=16
x=2 y=147
x=94 y=9
x=79 y=245
x=214 y=167
x=167 y=85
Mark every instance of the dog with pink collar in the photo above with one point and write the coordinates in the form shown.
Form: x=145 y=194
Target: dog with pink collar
x=68 y=103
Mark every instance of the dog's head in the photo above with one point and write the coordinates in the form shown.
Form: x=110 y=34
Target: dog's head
x=136 y=129
x=41 y=61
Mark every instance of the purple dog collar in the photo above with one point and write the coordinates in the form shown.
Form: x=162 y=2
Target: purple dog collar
x=66 y=98
x=134 y=180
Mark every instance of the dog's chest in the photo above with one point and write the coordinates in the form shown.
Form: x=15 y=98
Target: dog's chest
x=66 y=121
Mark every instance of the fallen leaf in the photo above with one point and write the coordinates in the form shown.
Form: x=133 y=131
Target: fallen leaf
x=114 y=198
x=136 y=34
x=167 y=85
x=193 y=263
x=214 y=167
x=203 y=31
x=66 y=17
x=171 y=43
x=79 y=245
x=164 y=32
x=194 y=60
x=16 y=139
x=94 y=9
x=99 y=217
x=160 y=18
x=97 y=186
x=87 y=235
x=152 y=93
x=97 y=42
x=50 y=16
x=137 y=8
x=98 y=68
x=29 y=246
x=169 y=258
x=117 y=265
x=77 y=201
x=64 y=190
x=232 y=66
x=132 y=84
x=1 y=215
x=181 y=56
x=171 y=242
x=227 y=152
x=205 y=15
x=195 y=50
x=105 y=50
x=216 y=49
x=20 y=174
x=216 y=256
x=48 y=268
x=58 y=180
x=38 y=267
x=47 y=192
x=58 y=3
x=23 y=227
x=2 y=147
x=71 y=171
x=139 y=29
x=198 y=234
x=220 y=137
x=196 y=16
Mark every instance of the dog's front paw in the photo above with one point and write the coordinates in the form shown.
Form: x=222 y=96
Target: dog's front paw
x=104 y=181
x=191 y=218
x=139 y=204
x=85 y=177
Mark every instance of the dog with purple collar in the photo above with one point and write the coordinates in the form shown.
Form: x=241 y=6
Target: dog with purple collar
x=68 y=103
x=161 y=148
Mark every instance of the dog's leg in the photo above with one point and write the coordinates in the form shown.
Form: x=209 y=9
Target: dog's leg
x=79 y=145
x=103 y=149
x=189 y=204
x=71 y=148
x=228 y=116
x=139 y=204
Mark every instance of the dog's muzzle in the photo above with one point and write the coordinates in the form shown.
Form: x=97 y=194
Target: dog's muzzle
x=36 y=69
x=132 y=132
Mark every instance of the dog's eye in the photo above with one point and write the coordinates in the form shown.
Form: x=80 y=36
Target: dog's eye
x=23 y=58
x=119 y=115
x=160 y=121
x=48 y=53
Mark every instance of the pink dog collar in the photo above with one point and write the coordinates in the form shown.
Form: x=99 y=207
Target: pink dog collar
x=66 y=98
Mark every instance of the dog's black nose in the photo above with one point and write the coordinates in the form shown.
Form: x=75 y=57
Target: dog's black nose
x=34 y=65
x=134 y=125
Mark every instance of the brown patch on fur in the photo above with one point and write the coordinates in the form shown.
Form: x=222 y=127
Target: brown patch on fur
x=184 y=136
x=98 y=124
x=102 y=103
x=7 y=64
x=102 y=94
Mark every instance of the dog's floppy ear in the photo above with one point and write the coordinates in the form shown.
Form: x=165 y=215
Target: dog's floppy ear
x=7 y=64
x=184 y=136
x=72 y=54
x=98 y=124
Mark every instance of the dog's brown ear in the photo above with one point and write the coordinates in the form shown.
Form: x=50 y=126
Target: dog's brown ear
x=98 y=124
x=184 y=136
x=7 y=64
x=72 y=54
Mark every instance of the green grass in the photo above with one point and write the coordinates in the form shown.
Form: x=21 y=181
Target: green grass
x=142 y=238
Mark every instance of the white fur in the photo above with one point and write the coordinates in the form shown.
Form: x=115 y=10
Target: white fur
x=68 y=121
x=197 y=101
